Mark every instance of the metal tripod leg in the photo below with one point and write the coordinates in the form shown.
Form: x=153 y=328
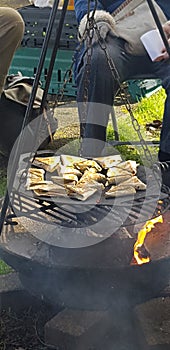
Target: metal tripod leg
x=26 y=120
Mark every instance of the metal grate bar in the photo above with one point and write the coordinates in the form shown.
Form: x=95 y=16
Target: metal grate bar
x=68 y=215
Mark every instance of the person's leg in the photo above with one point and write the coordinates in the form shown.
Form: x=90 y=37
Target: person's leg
x=97 y=86
x=11 y=33
x=162 y=71
x=102 y=88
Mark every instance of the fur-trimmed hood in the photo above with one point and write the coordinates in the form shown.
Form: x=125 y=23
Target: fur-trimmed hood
x=99 y=16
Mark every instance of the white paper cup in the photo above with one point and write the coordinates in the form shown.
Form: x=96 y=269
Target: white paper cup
x=153 y=43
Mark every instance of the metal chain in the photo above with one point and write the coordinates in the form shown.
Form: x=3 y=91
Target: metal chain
x=90 y=30
x=90 y=33
x=67 y=79
x=125 y=99
x=87 y=38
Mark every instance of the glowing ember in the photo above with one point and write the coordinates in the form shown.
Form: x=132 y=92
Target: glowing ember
x=141 y=238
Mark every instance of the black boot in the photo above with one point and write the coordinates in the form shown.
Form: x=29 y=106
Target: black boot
x=163 y=156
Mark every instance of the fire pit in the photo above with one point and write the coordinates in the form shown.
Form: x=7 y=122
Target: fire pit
x=80 y=255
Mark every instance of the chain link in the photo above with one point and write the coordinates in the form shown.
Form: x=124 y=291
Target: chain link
x=125 y=100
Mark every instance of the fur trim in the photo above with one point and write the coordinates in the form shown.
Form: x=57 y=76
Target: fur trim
x=99 y=16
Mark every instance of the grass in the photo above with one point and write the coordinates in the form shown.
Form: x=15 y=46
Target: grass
x=4 y=268
x=148 y=109
x=2 y=182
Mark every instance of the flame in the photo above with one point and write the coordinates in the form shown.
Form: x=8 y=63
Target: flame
x=141 y=238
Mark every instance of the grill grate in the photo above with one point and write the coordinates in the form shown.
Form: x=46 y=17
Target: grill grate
x=82 y=215
x=72 y=213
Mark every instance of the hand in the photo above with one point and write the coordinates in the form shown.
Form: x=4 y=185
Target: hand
x=164 y=55
x=166 y=28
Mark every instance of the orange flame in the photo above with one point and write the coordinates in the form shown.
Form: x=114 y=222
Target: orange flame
x=141 y=238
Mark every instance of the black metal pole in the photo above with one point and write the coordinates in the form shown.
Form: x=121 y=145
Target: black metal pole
x=159 y=25
x=27 y=116
x=54 y=53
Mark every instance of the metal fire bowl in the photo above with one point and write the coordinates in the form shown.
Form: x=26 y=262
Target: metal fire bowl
x=87 y=278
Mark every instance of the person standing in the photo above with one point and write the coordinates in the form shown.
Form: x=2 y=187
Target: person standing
x=11 y=33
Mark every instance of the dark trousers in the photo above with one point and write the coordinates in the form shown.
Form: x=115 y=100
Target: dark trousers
x=98 y=86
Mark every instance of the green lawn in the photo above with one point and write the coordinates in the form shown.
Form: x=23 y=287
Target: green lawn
x=145 y=111
x=4 y=268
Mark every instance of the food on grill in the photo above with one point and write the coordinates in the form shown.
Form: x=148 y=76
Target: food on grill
x=84 y=190
x=92 y=175
x=47 y=163
x=120 y=191
x=124 y=168
x=36 y=185
x=60 y=180
x=136 y=183
x=126 y=187
x=129 y=165
x=117 y=179
x=86 y=164
x=70 y=177
x=80 y=178
x=34 y=175
x=109 y=161
x=121 y=172
x=62 y=170
x=68 y=160
x=50 y=189
x=117 y=171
